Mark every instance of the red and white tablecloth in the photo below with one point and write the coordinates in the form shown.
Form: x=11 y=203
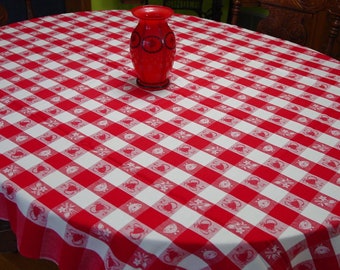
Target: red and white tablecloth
x=234 y=166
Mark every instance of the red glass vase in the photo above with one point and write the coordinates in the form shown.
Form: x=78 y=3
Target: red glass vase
x=152 y=46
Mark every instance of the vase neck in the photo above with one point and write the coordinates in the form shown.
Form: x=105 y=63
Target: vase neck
x=153 y=22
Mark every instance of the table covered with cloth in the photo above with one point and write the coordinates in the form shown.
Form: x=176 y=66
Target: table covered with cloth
x=234 y=166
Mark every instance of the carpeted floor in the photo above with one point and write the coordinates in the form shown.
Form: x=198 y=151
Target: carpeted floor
x=14 y=261
x=10 y=259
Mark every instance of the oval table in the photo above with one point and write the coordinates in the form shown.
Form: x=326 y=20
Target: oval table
x=234 y=166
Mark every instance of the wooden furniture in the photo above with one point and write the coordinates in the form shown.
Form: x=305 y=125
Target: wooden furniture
x=77 y=5
x=304 y=22
x=70 y=6
x=3 y=15
x=333 y=39
x=29 y=9
x=9 y=14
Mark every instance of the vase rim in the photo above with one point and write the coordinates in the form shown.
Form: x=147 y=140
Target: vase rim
x=152 y=12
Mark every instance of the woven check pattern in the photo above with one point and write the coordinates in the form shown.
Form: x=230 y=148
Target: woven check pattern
x=234 y=166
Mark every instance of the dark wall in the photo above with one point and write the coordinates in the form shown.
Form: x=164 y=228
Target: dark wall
x=17 y=9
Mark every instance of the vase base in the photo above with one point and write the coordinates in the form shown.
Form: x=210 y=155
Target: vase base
x=153 y=87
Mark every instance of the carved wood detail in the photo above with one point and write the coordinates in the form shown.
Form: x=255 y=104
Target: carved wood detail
x=312 y=23
x=235 y=11
x=308 y=6
x=29 y=9
x=334 y=32
x=285 y=24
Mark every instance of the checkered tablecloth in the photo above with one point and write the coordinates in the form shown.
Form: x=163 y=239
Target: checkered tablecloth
x=234 y=166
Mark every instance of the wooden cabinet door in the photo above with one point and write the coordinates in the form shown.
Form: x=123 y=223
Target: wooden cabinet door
x=295 y=23
x=303 y=22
